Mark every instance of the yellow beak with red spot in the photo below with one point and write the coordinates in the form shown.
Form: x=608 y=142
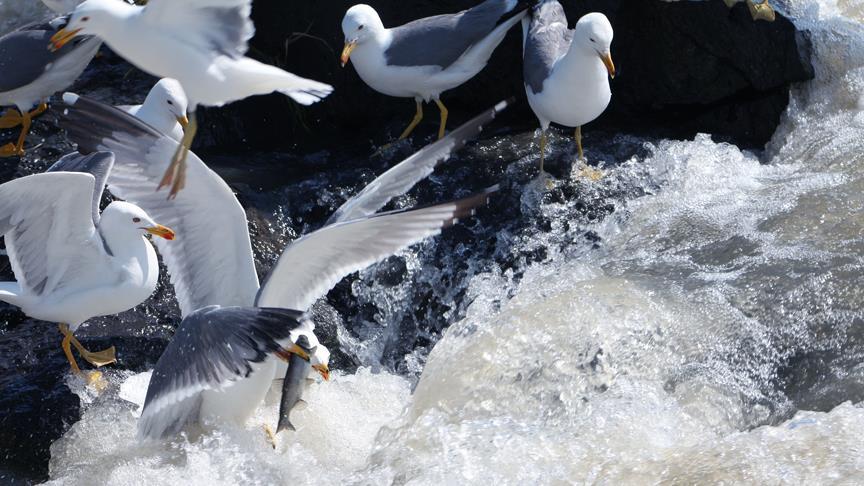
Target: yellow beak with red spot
x=346 y=52
x=161 y=231
x=606 y=57
x=323 y=370
x=62 y=37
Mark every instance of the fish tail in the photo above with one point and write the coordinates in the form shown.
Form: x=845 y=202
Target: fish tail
x=284 y=424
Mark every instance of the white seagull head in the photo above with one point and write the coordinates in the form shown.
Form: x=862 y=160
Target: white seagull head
x=320 y=360
x=361 y=22
x=93 y=17
x=593 y=34
x=167 y=97
x=124 y=219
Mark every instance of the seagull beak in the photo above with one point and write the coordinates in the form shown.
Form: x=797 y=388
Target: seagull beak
x=610 y=66
x=183 y=121
x=162 y=231
x=346 y=52
x=60 y=39
x=324 y=370
x=285 y=353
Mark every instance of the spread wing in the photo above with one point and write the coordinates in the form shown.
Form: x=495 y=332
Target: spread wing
x=221 y=26
x=313 y=264
x=97 y=164
x=211 y=260
x=442 y=39
x=212 y=347
x=547 y=39
x=403 y=176
x=50 y=237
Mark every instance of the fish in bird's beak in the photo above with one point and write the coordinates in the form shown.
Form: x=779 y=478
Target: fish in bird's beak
x=60 y=39
x=606 y=57
x=162 y=231
x=183 y=121
x=346 y=52
x=323 y=370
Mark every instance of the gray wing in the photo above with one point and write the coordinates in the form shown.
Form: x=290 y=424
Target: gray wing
x=442 y=39
x=222 y=26
x=403 y=176
x=97 y=164
x=546 y=41
x=312 y=265
x=213 y=346
x=24 y=54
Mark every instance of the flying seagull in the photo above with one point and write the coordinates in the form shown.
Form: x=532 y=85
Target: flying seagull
x=201 y=44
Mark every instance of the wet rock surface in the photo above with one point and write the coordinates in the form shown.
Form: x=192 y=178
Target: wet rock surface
x=292 y=167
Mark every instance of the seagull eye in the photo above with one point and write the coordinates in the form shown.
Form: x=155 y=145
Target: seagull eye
x=85 y=19
x=592 y=40
x=361 y=27
x=136 y=220
x=170 y=102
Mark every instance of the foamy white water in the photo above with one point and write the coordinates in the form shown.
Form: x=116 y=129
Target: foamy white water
x=673 y=354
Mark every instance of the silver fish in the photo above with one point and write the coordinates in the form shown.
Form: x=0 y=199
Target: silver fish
x=294 y=383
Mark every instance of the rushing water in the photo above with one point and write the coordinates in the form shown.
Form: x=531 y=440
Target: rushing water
x=714 y=336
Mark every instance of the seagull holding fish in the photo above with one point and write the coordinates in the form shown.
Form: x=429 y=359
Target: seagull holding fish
x=209 y=271
x=566 y=71
x=30 y=74
x=201 y=44
x=426 y=57
x=70 y=262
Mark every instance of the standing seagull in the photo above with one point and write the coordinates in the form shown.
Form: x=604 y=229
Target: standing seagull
x=426 y=57
x=221 y=271
x=30 y=74
x=201 y=44
x=566 y=70
x=70 y=263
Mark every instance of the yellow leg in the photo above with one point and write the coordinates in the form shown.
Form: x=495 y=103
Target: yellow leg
x=761 y=11
x=175 y=175
x=444 y=114
x=578 y=136
x=12 y=118
x=542 y=149
x=96 y=358
x=67 y=349
x=414 y=121
x=10 y=150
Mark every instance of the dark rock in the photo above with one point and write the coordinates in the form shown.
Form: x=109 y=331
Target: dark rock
x=684 y=68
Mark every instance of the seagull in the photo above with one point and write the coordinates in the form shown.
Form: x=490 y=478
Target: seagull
x=164 y=108
x=566 y=70
x=201 y=44
x=30 y=74
x=70 y=262
x=209 y=271
x=426 y=57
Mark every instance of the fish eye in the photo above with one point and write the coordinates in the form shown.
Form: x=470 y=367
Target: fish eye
x=136 y=220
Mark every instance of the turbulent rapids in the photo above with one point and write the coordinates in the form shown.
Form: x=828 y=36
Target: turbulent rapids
x=700 y=322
